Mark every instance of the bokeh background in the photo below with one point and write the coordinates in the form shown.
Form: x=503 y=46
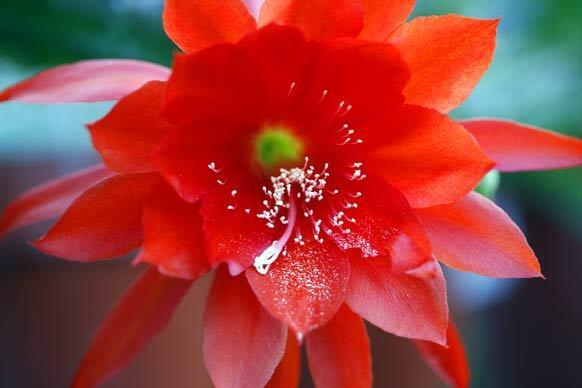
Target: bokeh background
x=518 y=333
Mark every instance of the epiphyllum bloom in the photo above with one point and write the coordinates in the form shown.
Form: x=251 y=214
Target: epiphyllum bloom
x=312 y=164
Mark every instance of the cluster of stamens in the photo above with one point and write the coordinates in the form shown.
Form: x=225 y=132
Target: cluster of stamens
x=295 y=192
x=303 y=183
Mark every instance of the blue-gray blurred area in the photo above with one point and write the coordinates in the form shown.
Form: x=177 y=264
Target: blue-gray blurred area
x=518 y=333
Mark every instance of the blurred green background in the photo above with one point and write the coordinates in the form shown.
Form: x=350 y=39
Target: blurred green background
x=535 y=78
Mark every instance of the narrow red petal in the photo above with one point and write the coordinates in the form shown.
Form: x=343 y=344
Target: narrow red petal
x=50 y=199
x=103 y=223
x=317 y=19
x=197 y=24
x=518 y=147
x=449 y=362
x=243 y=344
x=447 y=56
x=86 y=81
x=172 y=235
x=408 y=302
x=428 y=157
x=141 y=314
x=381 y=17
x=305 y=287
x=475 y=235
x=287 y=374
x=339 y=352
x=129 y=134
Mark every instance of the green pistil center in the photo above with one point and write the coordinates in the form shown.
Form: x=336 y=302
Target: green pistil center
x=277 y=147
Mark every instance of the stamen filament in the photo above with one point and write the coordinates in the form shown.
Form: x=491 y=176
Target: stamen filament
x=264 y=261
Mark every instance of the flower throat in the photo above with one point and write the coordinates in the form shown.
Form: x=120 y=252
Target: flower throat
x=277 y=147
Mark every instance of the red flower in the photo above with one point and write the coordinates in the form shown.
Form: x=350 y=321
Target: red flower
x=316 y=158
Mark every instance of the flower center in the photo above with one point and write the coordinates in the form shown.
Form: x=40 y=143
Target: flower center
x=276 y=147
x=291 y=190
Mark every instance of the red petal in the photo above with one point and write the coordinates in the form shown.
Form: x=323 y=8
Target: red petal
x=381 y=17
x=50 y=199
x=304 y=288
x=195 y=24
x=141 y=314
x=233 y=236
x=408 y=302
x=284 y=58
x=385 y=223
x=220 y=82
x=339 y=352
x=447 y=56
x=183 y=158
x=104 y=222
x=518 y=147
x=477 y=236
x=243 y=344
x=450 y=362
x=287 y=373
x=317 y=19
x=369 y=76
x=428 y=157
x=128 y=135
x=86 y=81
x=217 y=97
x=172 y=235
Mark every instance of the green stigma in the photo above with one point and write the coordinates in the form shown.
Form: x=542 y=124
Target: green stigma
x=277 y=147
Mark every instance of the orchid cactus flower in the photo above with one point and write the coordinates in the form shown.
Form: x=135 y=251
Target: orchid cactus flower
x=306 y=158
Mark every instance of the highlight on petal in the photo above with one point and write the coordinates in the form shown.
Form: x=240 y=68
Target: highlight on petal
x=172 y=235
x=339 y=352
x=305 y=287
x=475 y=235
x=50 y=199
x=449 y=362
x=86 y=81
x=138 y=317
x=243 y=344
x=381 y=17
x=197 y=24
x=519 y=147
x=128 y=135
x=447 y=56
x=288 y=371
x=320 y=19
x=428 y=157
x=103 y=223
x=408 y=302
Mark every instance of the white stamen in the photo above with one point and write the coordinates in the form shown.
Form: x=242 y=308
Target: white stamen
x=264 y=261
x=212 y=167
x=292 y=87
